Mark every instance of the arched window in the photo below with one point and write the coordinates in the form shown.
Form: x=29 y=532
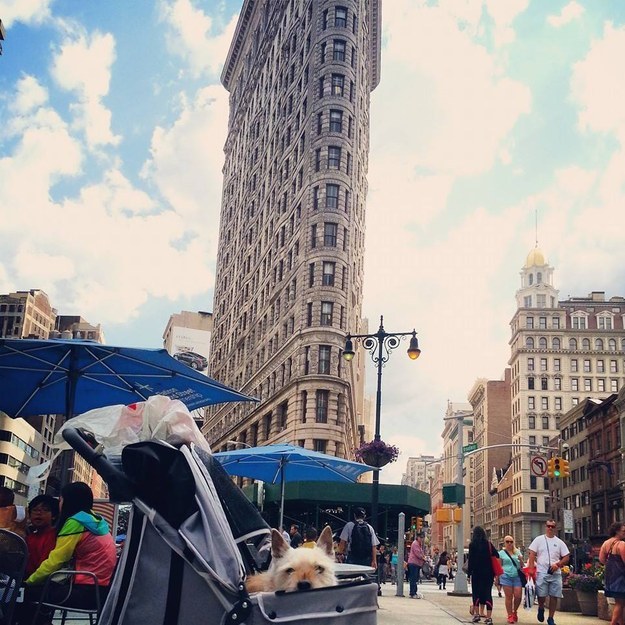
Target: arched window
x=586 y=344
x=542 y=342
x=529 y=342
x=612 y=344
x=573 y=344
x=556 y=343
x=599 y=345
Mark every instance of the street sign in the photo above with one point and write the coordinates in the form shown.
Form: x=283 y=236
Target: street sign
x=567 y=517
x=538 y=466
x=470 y=447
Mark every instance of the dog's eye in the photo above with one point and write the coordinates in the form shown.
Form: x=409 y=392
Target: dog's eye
x=289 y=571
x=320 y=569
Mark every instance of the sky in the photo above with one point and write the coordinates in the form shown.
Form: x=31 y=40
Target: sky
x=490 y=117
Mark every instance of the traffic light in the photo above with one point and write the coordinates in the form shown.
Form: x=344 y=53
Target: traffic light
x=564 y=468
x=554 y=467
x=413 y=522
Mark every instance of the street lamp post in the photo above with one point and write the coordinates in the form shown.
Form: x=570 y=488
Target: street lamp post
x=380 y=345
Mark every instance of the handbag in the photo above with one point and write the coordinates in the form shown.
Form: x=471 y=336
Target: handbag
x=495 y=561
x=521 y=573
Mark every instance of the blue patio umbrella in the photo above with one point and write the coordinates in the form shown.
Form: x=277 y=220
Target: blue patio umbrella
x=70 y=377
x=278 y=464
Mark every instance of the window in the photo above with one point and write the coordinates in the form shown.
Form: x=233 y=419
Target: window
x=599 y=345
x=543 y=384
x=587 y=366
x=613 y=366
x=530 y=383
x=311 y=275
x=575 y=384
x=558 y=403
x=323 y=52
x=601 y=385
x=543 y=364
x=332 y=194
x=328 y=273
x=544 y=405
x=542 y=342
x=330 y=231
x=529 y=342
x=338 y=84
x=320 y=445
x=336 y=120
x=613 y=386
x=267 y=425
x=531 y=405
x=612 y=345
x=532 y=482
x=556 y=343
x=340 y=17
x=541 y=301
x=542 y=323
x=529 y=322
x=605 y=322
x=313 y=235
x=282 y=415
x=315 y=200
x=338 y=50
x=531 y=422
x=556 y=364
x=579 y=322
x=557 y=384
x=586 y=344
x=574 y=365
x=317 y=168
x=555 y=323
x=530 y=364
x=573 y=344
x=326 y=313
x=534 y=504
x=321 y=87
x=600 y=366
x=334 y=161
x=325 y=352
x=309 y=314
x=527 y=301
x=322 y=398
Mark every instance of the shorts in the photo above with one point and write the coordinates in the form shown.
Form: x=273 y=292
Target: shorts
x=548 y=584
x=506 y=580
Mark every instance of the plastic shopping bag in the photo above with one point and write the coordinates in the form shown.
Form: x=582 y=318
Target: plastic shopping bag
x=114 y=427
x=529 y=593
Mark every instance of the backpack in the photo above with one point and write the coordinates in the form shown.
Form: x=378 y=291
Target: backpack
x=361 y=543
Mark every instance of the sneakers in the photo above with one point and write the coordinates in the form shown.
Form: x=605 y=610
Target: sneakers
x=541 y=615
x=516 y=617
x=488 y=621
x=476 y=618
x=511 y=619
x=550 y=621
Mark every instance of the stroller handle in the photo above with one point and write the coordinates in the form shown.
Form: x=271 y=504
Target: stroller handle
x=84 y=444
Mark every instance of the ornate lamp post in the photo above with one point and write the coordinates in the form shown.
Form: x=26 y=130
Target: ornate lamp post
x=380 y=345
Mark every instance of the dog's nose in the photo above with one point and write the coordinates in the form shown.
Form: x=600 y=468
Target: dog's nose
x=303 y=585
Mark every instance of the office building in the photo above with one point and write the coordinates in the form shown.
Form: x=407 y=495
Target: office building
x=26 y=314
x=561 y=352
x=291 y=242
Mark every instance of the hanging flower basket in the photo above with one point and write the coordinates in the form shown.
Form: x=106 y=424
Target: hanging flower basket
x=376 y=453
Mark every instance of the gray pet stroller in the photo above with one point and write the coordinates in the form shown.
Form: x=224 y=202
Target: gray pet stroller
x=192 y=539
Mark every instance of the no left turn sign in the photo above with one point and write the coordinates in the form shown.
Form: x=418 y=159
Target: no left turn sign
x=538 y=466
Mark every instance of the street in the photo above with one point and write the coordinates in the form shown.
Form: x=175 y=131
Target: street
x=439 y=608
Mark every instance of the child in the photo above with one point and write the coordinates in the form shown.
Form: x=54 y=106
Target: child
x=43 y=511
x=12 y=517
x=310 y=538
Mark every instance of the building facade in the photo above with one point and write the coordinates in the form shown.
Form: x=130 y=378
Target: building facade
x=561 y=352
x=490 y=401
x=291 y=244
x=26 y=314
x=420 y=472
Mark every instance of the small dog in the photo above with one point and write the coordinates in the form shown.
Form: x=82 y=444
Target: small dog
x=296 y=569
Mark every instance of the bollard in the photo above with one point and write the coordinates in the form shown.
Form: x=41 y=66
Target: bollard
x=400 y=555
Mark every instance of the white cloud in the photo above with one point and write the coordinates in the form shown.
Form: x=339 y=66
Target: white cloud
x=30 y=94
x=598 y=87
x=83 y=66
x=191 y=36
x=25 y=11
x=571 y=11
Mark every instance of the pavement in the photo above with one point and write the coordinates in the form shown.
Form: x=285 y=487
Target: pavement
x=438 y=608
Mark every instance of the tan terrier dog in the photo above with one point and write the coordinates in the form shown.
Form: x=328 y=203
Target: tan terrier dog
x=296 y=569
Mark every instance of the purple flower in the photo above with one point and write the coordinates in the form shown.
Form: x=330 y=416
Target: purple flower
x=378 y=447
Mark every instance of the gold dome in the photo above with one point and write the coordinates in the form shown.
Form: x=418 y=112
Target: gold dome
x=535 y=258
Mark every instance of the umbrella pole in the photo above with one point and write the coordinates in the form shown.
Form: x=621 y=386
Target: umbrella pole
x=281 y=496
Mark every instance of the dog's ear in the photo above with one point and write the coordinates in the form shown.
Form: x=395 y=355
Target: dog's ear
x=279 y=546
x=325 y=541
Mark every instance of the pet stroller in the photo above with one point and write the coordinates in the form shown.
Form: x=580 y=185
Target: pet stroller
x=192 y=539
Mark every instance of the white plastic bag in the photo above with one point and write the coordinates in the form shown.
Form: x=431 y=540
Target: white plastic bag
x=114 y=427
x=529 y=593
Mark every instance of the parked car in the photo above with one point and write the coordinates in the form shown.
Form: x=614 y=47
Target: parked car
x=195 y=361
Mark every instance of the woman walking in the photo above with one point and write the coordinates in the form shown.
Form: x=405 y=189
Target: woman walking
x=510 y=581
x=480 y=570
x=442 y=568
x=612 y=554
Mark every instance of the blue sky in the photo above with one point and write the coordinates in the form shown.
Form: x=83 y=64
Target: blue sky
x=487 y=113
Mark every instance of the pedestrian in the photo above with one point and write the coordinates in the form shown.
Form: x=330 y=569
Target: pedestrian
x=480 y=570
x=612 y=554
x=359 y=541
x=443 y=570
x=394 y=561
x=510 y=581
x=285 y=535
x=296 y=537
x=43 y=511
x=547 y=555
x=12 y=517
x=380 y=564
x=416 y=560
x=310 y=538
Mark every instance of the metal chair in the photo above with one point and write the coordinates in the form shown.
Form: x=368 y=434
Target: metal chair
x=13 y=556
x=56 y=595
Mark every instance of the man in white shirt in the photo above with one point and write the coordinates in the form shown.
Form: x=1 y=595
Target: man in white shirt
x=548 y=554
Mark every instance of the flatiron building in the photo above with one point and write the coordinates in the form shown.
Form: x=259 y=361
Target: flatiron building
x=291 y=241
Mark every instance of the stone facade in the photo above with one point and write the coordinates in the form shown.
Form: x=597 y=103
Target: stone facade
x=561 y=352
x=291 y=243
x=26 y=314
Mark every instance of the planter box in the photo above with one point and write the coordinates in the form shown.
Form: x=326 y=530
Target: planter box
x=588 y=602
x=605 y=606
x=569 y=602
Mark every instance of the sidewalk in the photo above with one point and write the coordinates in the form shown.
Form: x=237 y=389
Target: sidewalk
x=439 y=608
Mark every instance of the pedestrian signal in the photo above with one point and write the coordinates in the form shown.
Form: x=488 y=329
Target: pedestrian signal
x=564 y=468
x=413 y=523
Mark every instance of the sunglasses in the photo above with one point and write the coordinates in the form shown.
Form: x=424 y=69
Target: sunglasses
x=509 y=541
x=551 y=526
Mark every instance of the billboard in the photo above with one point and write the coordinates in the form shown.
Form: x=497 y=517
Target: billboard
x=191 y=346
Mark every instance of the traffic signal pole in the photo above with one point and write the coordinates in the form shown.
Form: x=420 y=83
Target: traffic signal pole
x=460 y=580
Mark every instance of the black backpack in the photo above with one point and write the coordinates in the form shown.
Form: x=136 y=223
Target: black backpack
x=361 y=542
